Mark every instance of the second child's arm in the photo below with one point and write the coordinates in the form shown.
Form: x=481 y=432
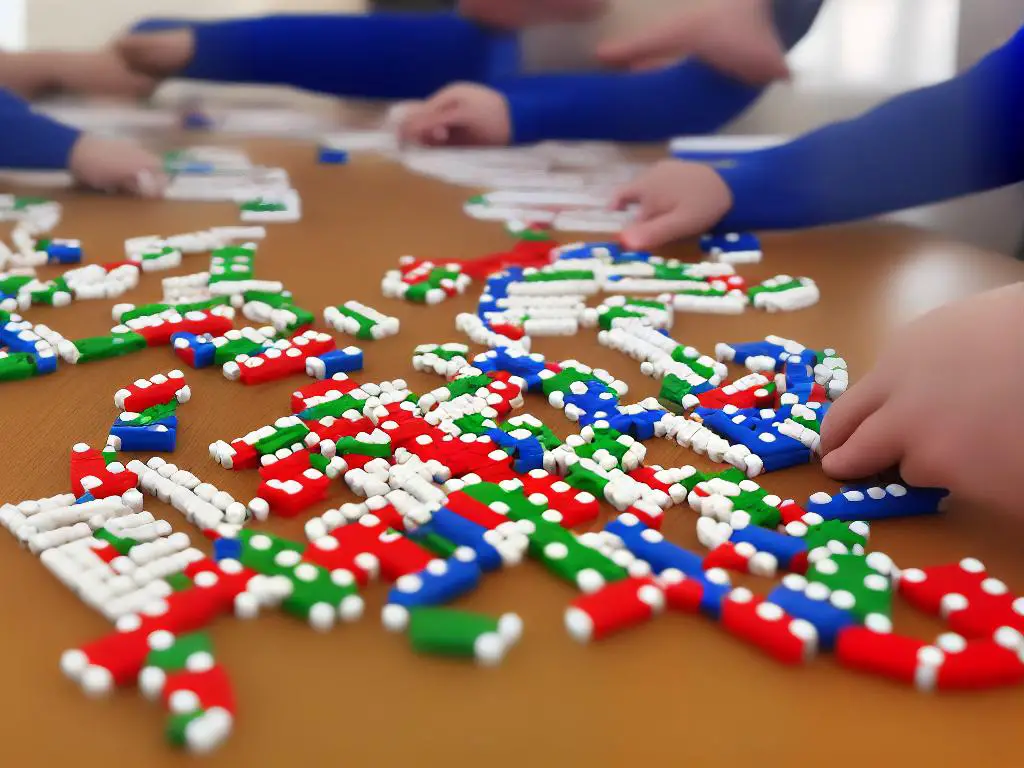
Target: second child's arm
x=30 y=141
x=374 y=56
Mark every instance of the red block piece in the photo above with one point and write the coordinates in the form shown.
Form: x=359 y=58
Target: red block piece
x=897 y=657
x=617 y=606
x=156 y=390
x=282 y=361
x=726 y=556
x=157 y=330
x=473 y=510
x=681 y=594
x=981 y=664
x=399 y=556
x=765 y=625
x=121 y=654
x=748 y=392
x=212 y=687
x=110 y=480
x=791 y=512
x=85 y=462
x=330 y=428
x=328 y=554
x=339 y=383
x=296 y=493
x=928 y=588
x=290 y=466
x=650 y=514
x=575 y=507
x=514 y=332
x=818 y=394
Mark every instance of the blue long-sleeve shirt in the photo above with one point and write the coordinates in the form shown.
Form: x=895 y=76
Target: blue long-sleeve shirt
x=29 y=141
x=410 y=56
x=961 y=136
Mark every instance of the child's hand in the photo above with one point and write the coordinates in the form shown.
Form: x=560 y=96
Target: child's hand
x=943 y=403
x=676 y=199
x=736 y=37
x=115 y=165
x=157 y=54
x=459 y=115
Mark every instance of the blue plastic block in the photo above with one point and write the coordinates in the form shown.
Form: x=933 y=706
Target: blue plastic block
x=847 y=508
x=158 y=436
x=825 y=617
x=332 y=156
x=648 y=544
x=436 y=589
x=227 y=549
x=339 y=361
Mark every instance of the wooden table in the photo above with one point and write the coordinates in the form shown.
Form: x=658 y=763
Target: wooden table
x=678 y=692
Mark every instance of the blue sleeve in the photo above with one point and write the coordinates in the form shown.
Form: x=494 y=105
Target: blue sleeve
x=374 y=56
x=958 y=137
x=29 y=141
x=688 y=98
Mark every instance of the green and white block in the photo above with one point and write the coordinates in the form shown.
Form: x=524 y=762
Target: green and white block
x=784 y=293
x=361 y=321
x=281 y=207
x=443 y=359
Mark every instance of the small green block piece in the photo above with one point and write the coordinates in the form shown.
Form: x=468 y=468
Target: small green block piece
x=448 y=632
x=179 y=582
x=438 y=544
x=871 y=591
x=175 y=658
x=121 y=544
x=15 y=366
x=474 y=424
x=353 y=446
x=583 y=478
x=559 y=275
x=106 y=347
x=283 y=437
x=177 y=726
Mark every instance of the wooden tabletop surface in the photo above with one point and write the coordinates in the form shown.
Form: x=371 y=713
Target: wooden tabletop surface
x=679 y=691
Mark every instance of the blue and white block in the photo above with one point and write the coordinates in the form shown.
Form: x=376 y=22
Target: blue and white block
x=732 y=248
x=326 y=365
x=877 y=503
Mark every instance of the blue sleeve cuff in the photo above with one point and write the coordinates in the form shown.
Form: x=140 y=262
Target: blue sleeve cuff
x=32 y=141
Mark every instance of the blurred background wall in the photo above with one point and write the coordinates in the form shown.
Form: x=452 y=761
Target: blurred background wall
x=859 y=53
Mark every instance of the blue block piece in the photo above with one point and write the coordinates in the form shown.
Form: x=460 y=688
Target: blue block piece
x=598 y=402
x=332 y=156
x=227 y=549
x=527 y=367
x=202 y=348
x=84 y=498
x=63 y=252
x=783 y=547
x=46 y=361
x=648 y=544
x=465 y=533
x=639 y=426
x=338 y=361
x=732 y=242
x=631 y=257
x=776 y=460
x=713 y=596
x=428 y=587
x=825 y=617
x=875 y=503
x=589 y=251
x=486 y=307
x=158 y=436
x=744 y=350
x=527 y=452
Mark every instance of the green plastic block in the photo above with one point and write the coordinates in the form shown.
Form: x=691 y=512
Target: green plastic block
x=319 y=462
x=353 y=446
x=820 y=534
x=105 y=347
x=559 y=275
x=548 y=439
x=438 y=544
x=121 y=544
x=259 y=551
x=275 y=300
x=14 y=283
x=468 y=385
x=179 y=582
x=586 y=479
x=154 y=414
x=283 y=437
x=177 y=727
x=175 y=658
x=15 y=366
x=515 y=504
x=448 y=632
x=259 y=205
x=758 y=289
x=334 y=408
x=474 y=424
x=23 y=202
x=869 y=591
x=607 y=319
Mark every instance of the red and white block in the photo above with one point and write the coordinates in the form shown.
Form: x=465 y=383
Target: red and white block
x=617 y=606
x=156 y=390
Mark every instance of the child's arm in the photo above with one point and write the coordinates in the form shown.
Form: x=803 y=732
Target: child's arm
x=959 y=137
x=690 y=97
x=32 y=141
x=936 y=143
x=378 y=56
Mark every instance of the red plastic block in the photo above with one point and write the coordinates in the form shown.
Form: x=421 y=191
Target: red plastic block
x=212 y=687
x=981 y=664
x=399 y=556
x=85 y=462
x=292 y=495
x=681 y=594
x=617 y=606
x=282 y=361
x=765 y=625
x=158 y=390
x=575 y=507
x=339 y=383
x=888 y=655
x=473 y=510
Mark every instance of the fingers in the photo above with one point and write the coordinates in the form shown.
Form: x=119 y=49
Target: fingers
x=158 y=54
x=669 y=42
x=655 y=229
x=850 y=410
x=875 y=446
